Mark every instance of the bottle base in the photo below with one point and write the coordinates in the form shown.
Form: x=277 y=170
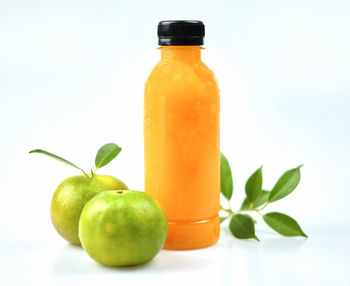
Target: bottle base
x=192 y=235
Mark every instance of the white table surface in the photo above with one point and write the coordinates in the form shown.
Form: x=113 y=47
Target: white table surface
x=322 y=259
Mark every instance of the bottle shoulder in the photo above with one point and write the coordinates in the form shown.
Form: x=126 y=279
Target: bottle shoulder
x=177 y=72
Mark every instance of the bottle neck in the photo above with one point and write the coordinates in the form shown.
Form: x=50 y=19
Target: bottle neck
x=186 y=53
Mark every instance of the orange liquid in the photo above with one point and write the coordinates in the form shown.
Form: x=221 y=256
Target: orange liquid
x=181 y=145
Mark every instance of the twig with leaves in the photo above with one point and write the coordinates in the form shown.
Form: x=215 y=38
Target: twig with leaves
x=257 y=199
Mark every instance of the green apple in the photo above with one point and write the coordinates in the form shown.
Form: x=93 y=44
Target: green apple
x=121 y=228
x=70 y=198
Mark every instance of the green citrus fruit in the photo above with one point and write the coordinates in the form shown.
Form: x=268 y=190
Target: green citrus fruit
x=120 y=228
x=70 y=198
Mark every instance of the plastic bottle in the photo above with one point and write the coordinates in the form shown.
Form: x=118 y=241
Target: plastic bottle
x=181 y=137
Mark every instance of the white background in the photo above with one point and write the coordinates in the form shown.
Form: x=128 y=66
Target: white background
x=71 y=79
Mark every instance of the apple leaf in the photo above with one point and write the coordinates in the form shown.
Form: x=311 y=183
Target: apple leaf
x=106 y=154
x=58 y=158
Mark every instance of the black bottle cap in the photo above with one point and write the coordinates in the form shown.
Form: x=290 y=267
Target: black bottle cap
x=180 y=33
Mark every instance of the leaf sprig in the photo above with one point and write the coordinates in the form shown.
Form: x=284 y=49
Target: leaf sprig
x=257 y=199
x=104 y=156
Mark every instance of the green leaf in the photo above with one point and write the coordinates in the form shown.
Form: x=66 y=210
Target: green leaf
x=40 y=151
x=223 y=218
x=242 y=226
x=106 y=154
x=253 y=186
x=245 y=205
x=285 y=184
x=262 y=198
x=226 y=177
x=283 y=224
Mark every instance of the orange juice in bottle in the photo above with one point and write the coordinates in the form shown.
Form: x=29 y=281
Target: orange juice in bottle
x=181 y=137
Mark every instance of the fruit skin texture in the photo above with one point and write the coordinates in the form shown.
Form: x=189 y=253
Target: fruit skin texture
x=70 y=198
x=121 y=229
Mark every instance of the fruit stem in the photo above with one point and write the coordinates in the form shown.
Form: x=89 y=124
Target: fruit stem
x=93 y=172
x=85 y=174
